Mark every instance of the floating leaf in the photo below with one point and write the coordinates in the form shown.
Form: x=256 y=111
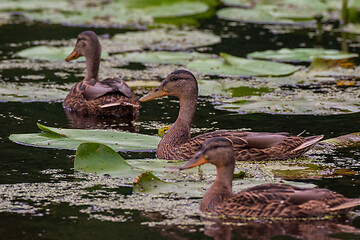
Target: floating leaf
x=301 y=54
x=229 y=88
x=101 y=159
x=262 y=15
x=290 y=104
x=123 y=141
x=33 y=5
x=181 y=58
x=308 y=171
x=49 y=53
x=231 y=65
x=172 y=8
x=279 y=11
x=31 y=92
x=321 y=64
x=344 y=141
x=98 y=16
x=352 y=28
x=239 y=3
x=161 y=39
x=150 y=184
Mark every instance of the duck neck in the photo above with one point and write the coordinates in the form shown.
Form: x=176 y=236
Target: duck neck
x=93 y=64
x=179 y=132
x=220 y=190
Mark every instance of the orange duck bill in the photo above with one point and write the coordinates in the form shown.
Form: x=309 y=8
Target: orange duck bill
x=74 y=55
x=197 y=160
x=156 y=93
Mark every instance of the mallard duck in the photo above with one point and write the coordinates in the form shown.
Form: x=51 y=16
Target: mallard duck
x=263 y=201
x=110 y=97
x=178 y=144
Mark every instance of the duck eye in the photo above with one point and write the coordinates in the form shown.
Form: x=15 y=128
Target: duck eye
x=175 y=78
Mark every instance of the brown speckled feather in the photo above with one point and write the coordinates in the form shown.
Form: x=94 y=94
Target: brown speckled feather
x=127 y=107
x=178 y=144
x=277 y=200
x=273 y=200
x=110 y=97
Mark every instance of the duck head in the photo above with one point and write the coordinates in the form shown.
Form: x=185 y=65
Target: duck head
x=87 y=45
x=218 y=151
x=180 y=83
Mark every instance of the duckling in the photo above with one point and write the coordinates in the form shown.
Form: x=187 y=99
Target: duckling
x=262 y=201
x=110 y=97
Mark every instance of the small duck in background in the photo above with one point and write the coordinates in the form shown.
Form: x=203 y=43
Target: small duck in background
x=110 y=97
x=273 y=200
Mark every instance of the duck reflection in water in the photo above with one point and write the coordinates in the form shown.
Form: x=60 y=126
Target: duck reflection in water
x=85 y=121
x=271 y=201
x=288 y=229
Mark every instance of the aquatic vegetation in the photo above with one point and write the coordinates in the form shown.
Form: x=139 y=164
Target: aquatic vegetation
x=71 y=138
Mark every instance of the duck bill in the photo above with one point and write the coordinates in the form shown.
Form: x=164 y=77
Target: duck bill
x=74 y=55
x=197 y=160
x=156 y=93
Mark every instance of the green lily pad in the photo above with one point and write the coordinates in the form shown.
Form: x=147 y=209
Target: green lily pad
x=229 y=88
x=101 y=159
x=238 y=3
x=121 y=141
x=344 y=141
x=262 y=15
x=231 y=65
x=352 y=28
x=12 y=5
x=97 y=16
x=162 y=9
x=30 y=92
x=150 y=184
x=157 y=177
x=181 y=58
x=291 y=104
x=279 y=11
x=49 y=53
x=162 y=39
x=301 y=54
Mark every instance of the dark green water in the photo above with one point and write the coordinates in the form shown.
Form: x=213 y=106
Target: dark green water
x=23 y=164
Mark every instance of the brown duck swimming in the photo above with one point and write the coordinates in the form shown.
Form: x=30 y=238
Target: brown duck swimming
x=178 y=144
x=263 y=201
x=110 y=97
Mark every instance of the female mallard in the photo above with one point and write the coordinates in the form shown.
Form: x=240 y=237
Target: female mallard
x=263 y=201
x=178 y=144
x=110 y=97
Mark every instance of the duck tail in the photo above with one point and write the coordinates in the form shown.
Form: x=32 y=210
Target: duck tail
x=309 y=142
x=346 y=205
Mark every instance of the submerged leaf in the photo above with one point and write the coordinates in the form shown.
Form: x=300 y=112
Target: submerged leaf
x=122 y=141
